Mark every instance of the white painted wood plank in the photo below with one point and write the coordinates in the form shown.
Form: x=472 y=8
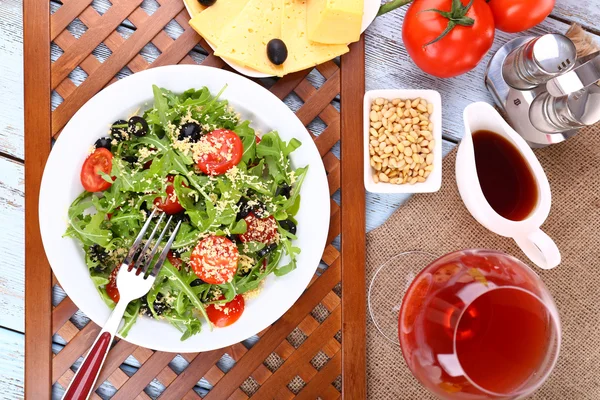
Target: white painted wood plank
x=12 y=360
x=389 y=66
x=11 y=78
x=584 y=12
x=11 y=244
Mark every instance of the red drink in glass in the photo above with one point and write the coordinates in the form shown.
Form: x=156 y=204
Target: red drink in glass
x=478 y=324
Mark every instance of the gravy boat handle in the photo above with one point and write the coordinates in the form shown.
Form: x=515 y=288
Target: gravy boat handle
x=540 y=249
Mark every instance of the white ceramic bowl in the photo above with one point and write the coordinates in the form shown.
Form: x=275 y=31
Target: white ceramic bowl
x=434 y=181
x=61 y=185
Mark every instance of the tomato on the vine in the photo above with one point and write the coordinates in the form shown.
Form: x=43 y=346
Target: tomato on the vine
x=222 y=315
x=518 y=15
x=446 y=39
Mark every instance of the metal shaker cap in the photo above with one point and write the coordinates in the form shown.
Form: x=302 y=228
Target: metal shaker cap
x=560 y=114
x=539 y=60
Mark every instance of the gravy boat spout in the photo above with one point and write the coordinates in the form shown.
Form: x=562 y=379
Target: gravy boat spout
x=535 y=244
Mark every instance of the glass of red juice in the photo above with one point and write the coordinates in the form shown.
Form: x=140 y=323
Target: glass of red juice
x=474 y=324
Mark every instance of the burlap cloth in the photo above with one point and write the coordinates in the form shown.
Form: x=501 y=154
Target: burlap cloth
x=439 y=223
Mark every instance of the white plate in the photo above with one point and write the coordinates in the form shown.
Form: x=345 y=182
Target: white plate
x=61 y=185
x=369 y=15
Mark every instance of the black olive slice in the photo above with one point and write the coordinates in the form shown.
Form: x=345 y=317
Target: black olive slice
x=190 y=130
x=288 y=225
x=284 y=190
x=266 y=250
x=118 y=130
x=138 y=126
x=103 y=143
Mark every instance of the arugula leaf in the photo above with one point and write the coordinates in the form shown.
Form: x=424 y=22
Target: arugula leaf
x=239 y=228
x=105 y=176
x=131 y=314
x=248 y=137
x=173 y=275
x=300 y=175
x=291 y=146
x=161 y=105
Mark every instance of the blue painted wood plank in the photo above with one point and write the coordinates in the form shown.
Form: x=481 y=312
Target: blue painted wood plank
x=12 y=360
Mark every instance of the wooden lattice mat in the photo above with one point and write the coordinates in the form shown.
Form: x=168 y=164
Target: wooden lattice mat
x=302 y=354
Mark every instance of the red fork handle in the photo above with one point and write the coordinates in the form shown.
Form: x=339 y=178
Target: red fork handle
x=83 y=382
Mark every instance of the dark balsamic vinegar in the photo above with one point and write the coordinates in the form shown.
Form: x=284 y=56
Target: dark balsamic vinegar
x=504 y=175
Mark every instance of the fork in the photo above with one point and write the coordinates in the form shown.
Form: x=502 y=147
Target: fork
x=133 y=282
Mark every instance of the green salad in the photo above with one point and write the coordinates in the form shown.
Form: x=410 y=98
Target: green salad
x=236 y=194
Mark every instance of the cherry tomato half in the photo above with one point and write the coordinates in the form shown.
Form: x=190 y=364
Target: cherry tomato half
x=174 y=260
x=214 y=260
x=111 y=286
x=224 y=151
x=170 y=204
x=262 y=230
x=99 y=161
x=222 y=315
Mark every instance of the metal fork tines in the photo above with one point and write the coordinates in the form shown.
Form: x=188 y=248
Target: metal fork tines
x=140 y=260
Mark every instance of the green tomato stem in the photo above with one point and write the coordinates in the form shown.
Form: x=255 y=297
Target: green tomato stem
x=392 y=5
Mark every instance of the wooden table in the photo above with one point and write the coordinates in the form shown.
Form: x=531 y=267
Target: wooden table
x=387 y=66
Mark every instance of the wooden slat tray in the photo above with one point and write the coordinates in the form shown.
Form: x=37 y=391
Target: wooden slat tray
x=317 y=349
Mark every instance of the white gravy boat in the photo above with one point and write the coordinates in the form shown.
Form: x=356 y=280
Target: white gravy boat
x=536 y=245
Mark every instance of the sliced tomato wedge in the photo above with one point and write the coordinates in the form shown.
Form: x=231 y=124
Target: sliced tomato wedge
x=170 y=204
x=262 y=230
x=257 y=139
x=223 y=150
x=111 y=286
x=214 y=260
x=222 y=315
x=174 y=260
x=99 y=161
